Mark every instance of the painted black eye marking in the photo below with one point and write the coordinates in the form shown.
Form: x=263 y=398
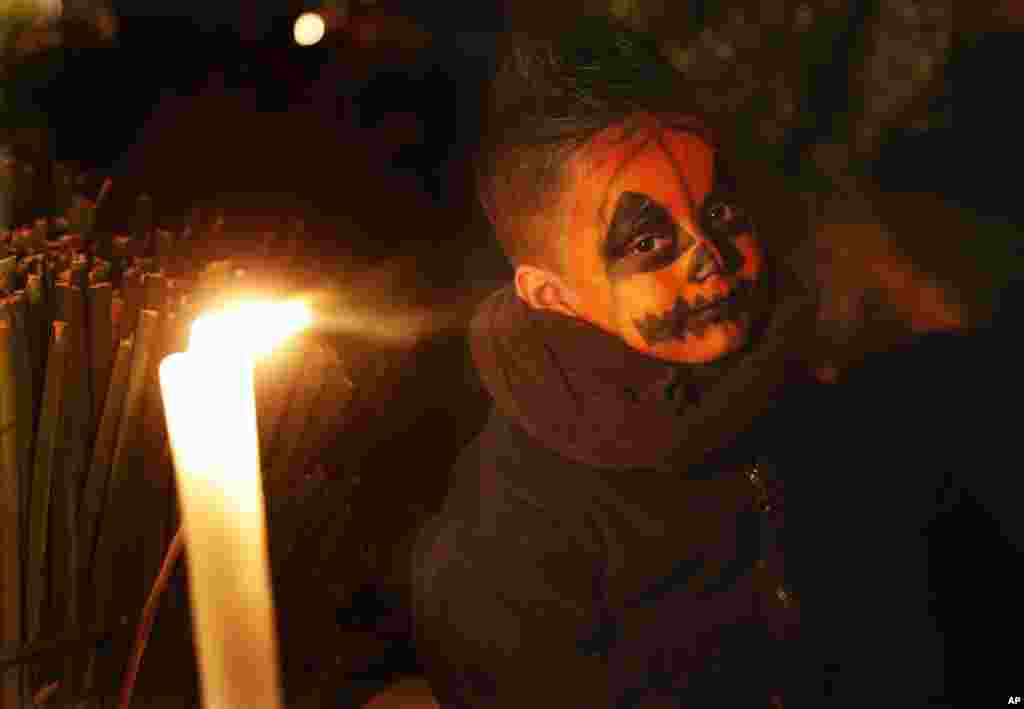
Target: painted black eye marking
x=722 y=214
x=722 y=220
x=639 y=225
x=642 y=236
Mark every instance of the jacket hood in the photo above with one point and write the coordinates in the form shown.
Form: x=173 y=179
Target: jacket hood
x=585 y=394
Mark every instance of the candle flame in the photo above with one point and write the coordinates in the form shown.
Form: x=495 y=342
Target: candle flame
x=251 y=328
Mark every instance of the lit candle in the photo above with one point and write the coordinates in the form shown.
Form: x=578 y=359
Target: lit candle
x=211 y=422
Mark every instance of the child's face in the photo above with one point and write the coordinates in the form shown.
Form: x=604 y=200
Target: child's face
x=655 y=239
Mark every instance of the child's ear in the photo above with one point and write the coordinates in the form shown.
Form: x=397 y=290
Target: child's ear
x=543 y=290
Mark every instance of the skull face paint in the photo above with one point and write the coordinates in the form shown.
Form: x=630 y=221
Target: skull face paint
x=657 y=245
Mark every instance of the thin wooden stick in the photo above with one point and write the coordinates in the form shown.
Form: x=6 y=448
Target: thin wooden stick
x=75 y=433
x=154 y=292
x=30 y=653
x=70 y=573
x=149 y=616
x=25 y=421
x=10 y=508
x=144 y=628
x=103 y=452
x=115 y=557
x=45 y=462
x=100 y=343
x=131 y=294
x=155 y=479
x=36 y=316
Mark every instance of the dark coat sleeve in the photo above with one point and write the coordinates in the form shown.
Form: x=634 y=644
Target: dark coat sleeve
x=499 y=616
x=506 y=603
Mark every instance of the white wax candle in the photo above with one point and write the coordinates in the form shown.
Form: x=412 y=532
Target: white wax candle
x=210 y=408
x=211 y=421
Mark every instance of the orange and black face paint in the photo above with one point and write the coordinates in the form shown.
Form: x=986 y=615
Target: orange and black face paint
x=652 y=232
x=643 y=237
x=639 y=218
x=684 y=318
x=722 y=216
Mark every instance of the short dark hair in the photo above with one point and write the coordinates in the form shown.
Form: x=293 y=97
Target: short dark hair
x=551 y=96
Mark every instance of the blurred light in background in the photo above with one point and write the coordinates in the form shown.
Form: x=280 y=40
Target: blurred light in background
x=309 y=29
x=48 y=9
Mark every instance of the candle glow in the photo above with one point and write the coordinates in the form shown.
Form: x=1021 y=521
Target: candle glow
x=248 y=328
x=210 y=408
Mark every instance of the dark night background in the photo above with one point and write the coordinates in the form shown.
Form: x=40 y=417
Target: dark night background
x=212 y=104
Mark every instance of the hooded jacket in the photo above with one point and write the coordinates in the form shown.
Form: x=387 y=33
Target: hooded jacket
x=612 y=537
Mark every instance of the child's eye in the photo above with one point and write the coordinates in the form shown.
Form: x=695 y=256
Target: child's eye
x=721 y=213
x=724 y=218
x=648 y=243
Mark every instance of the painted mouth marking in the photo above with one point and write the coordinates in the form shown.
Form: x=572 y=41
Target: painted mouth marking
x=684 y=319
x=702 y=303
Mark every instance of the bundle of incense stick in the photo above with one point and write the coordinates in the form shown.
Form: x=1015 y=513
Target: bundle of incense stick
x=87 y=494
